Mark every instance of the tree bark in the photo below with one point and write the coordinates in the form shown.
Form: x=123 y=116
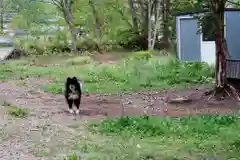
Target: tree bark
x=72 y=31
x=149 y=24
x=165 y=16
x=156 y=24
x=2 y=12
x=145 y=8
x=69 y=16
x=221 y=46
x=98 y=23
x=134 y=15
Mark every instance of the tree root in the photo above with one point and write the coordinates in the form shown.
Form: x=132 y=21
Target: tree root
x=221 y=92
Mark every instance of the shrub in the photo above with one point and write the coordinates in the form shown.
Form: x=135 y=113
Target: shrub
x=128 y=39
x=59 y=43
x=88 y=44
x=44 y=45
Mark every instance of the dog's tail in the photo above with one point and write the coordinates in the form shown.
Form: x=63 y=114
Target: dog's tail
x=81 y=84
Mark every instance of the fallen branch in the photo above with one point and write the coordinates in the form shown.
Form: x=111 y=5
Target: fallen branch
x=179 y=100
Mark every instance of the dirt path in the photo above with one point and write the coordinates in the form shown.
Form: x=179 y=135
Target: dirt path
x=49 y=131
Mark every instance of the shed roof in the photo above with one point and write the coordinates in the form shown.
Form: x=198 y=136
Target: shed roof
x=202 y=11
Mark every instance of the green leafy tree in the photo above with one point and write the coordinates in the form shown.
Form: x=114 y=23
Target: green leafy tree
x=65 y=7
x=29 y=13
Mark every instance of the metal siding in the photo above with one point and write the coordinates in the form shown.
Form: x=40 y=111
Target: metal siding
x=233 y=69
x=233 y=33
x=190 y=40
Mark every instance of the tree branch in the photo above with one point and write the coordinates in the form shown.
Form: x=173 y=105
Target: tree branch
x=122 y=14
x=235 y=3
x=57 y=3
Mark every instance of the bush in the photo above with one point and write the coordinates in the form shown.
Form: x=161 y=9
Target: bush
x=128 y=39
x=60 y=43
x=88 y=45
x=42 y=45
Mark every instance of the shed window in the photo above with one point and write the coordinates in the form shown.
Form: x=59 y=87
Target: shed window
x=208 y=31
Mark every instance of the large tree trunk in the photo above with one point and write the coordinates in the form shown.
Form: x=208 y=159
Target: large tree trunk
x=165 y=25
x=98 y=23
x=2 y=20
x=149 y=25
x=67 y=10
x=144 y=7
x=221 y=47
x=156 y=24
x=73 y=37
x=134 y=15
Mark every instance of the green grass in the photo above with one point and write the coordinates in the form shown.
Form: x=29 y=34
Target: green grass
x=145 y=138
x=72 y=157
x=17 y=112
x=79 y=61
x=127 y=75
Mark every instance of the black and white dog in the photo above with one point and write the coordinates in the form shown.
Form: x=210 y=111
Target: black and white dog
x=73 y=93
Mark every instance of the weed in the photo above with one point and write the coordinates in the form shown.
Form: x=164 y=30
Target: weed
x=236 y=144
x=72 y=157
x=79 y=61
x=17 y=112
x=142 y=55
x=20 y=83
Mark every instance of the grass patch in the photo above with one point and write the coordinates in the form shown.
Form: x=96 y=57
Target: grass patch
x=129 y=74
x=79 y=61
x=53 y=88
x=186 y=138
x=16 y=111
x=154 y=126
x=72 y=157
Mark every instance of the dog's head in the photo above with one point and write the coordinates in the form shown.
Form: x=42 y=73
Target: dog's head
x=71 y=83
